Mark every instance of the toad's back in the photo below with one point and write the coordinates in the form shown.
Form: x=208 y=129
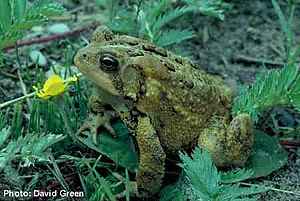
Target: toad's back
x=179 y=98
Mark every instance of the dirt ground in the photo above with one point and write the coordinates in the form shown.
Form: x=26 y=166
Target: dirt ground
x=245 y=43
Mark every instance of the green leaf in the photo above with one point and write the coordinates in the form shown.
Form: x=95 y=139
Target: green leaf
x=198 y=169
x=282 y=20
x=271 y=88
x=5 y=15
x=171 y=37
x=4 y=134
x=232 y=192
x=8 y=153
x=28 y=149
x=15 y=17
x=168 y=17
x=19 y=7
x=120 y=149
x=171 y=193
x=213 y=8
x=106 y=188
x=235 y=176
x=267 y=155
x=156 y=8
x=34 y=147
x=123 y=23
x=200 y=180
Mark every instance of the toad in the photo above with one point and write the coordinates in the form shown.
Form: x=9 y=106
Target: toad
x=168 y=103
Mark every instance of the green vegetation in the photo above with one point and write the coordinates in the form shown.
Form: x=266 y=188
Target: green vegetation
x=151 y=19
x=38 y=148
x=204 y=181
x=17 y=16
x=275 y=87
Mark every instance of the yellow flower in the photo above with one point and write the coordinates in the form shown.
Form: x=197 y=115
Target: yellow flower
x=54 y=86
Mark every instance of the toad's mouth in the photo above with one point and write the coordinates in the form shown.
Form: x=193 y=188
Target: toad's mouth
x=103 y=83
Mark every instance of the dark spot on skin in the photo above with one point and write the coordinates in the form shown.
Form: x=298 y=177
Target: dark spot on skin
x=134 y=113
x=173 y=111
x=194 y=65
x=135 y=53
x=108 y=37
x=108 y=107
x=143 y=89
x=169 y=66
x=132 y=43
x=189 y=84
x=163 y=96
x=179 y=60
x=161 y=124
x=156 y=50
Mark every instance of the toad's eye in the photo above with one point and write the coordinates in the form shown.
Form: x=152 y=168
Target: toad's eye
x=109 y=63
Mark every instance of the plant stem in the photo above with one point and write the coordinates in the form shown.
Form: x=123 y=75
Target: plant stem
x=272 y=189
x=51 y=37
x=22 y=84
x=2 y=105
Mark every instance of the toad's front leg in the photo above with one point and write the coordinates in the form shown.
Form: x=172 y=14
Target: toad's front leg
x=99 y=117
x=151 y=159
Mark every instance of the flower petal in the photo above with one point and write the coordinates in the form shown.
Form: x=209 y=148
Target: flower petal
x=54 y=86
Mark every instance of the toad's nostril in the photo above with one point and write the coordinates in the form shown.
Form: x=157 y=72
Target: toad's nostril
x=84 y=55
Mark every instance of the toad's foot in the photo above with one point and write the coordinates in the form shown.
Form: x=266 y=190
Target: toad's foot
x=228 y=144
x=94 y=122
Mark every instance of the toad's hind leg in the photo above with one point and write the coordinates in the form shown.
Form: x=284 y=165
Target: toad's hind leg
x=228 y=144
x=151 y=160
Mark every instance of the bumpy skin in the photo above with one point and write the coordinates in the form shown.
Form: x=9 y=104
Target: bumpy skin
x=167 y=103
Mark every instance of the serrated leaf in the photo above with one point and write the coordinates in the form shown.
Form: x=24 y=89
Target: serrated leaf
x=37 y=144
x=168 y=17
x=231 y=192
x=214 y=8
x=4 y=134
x=8 y=153
x=124 y=23
x=12 y=28
x=200 y=180
x=157 y=8
x=271 y=88
x=235 y=176
x=120 y=149
x=28 y=149
x=171 y=37
x=171 y=193
x=201 y=162
x=266 y=159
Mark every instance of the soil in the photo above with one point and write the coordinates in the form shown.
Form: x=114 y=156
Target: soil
x=247 y=42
